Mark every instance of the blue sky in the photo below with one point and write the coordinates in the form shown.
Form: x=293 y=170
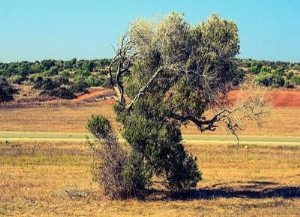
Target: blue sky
x=87 y=29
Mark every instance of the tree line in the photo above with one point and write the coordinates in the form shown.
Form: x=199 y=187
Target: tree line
x=65 y=79
x=58 y=78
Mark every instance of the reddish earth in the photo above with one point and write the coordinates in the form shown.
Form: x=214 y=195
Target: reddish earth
x=94 y=95
x=276 y=97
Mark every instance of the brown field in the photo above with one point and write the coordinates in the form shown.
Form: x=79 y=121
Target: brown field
x=73 y=118
x=54 y=179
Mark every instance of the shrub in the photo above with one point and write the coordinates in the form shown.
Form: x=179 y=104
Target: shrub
x=109 y=158
x=17 y=79
x=288 y=84
x=6 y=90
x=62 y=93
x=94 y=80
x=295 y=79
x=78 y=87
x=265 y=69
x=270 y=80
x=64 y=74
x=49 y=84
x=279 y=71
x=238 y=77
x=256 y=67
x=289 y=75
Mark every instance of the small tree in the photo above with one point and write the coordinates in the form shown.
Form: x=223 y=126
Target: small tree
x=175 y=73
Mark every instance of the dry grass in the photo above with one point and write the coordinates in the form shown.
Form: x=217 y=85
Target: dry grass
x=54 y=179
x=244 y=181
x=280 y=122
x=72 y=118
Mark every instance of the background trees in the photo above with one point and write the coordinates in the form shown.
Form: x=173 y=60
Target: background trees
x=6 y=90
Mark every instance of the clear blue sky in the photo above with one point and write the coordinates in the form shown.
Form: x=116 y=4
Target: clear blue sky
x=86 y=29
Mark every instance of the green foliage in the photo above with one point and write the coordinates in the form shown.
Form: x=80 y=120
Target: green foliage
x=279 y=71
x=288 y=84
x=270 y=80
x=95 y=80
x=290 y=75
x=238 y=76
x=61 y=92
x=296 y=66
x=88 y=66
x=110 y=159
x=6 y=90
x=100 y=126
x=78 y=86
x=206 y=52
x=159 y=142
x=295 y=79
x=265 y=69
x=256 y=67
x=17 y=79
x=135 y=175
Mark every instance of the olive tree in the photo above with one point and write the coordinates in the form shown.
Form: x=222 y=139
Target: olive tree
x=166 y=74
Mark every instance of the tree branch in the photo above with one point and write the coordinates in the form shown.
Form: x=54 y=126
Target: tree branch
x=124 y=65
x=144 y=89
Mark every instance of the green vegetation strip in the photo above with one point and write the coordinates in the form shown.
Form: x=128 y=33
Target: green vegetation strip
x=189 y=138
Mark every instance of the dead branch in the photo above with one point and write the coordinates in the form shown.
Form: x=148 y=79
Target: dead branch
x=252 y=109
x=122 y=58
x=144 y=88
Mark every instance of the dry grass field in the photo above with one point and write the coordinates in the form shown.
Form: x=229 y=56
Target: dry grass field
x=73 y=118
x=54 y=179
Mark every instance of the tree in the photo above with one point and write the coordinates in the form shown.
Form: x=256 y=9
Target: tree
x=173 y=74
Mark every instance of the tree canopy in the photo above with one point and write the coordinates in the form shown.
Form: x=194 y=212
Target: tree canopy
x=170 y=73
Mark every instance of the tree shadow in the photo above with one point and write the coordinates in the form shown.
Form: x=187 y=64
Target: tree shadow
x=250 y=190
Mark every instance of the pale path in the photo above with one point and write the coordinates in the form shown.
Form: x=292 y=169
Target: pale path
x=188 y=138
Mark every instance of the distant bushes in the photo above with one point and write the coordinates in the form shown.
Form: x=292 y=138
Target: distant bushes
x=295 y=79
x=6 y=90
x=60 y=92
x=77 y=75
x=238 y=77
x=274 y=77
x=256 y=67
x=270 y=80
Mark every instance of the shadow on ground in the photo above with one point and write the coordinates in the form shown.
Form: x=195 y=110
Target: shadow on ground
x=250 y=190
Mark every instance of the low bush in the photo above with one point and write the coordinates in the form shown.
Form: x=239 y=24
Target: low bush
x=270 y=80
x=60 y=92
x=110 y=158
x=6 y=90
x=295 y=79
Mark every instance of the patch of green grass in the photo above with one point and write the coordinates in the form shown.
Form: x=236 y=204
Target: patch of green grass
x=7 y=136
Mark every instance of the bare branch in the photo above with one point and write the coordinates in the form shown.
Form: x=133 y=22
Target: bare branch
x=145 y=88
x=124 y=64
x=253 y=109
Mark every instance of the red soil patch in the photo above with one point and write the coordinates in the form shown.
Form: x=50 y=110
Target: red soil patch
x=93 y=95
x=276 y=97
